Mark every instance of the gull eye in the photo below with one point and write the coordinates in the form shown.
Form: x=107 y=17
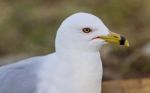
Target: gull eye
x=87 y=30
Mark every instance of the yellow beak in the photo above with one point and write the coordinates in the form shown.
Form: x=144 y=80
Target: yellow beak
x=114 y=38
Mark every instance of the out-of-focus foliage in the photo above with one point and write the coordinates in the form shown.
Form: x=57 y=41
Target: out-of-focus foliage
x=29 y=27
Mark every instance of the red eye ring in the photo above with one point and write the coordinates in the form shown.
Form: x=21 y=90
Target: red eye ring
x=87 y=30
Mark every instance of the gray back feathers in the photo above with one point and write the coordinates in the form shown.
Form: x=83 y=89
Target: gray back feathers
x=20 y=77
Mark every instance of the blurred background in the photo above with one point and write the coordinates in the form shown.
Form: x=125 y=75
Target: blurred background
x=28 y=28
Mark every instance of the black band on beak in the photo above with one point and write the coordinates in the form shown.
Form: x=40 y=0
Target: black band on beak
x=122 y=40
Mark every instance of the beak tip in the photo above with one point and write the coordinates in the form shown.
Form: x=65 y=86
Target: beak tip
x=127 y=44
x=123 y=41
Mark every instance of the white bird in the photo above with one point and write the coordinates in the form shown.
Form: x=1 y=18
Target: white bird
x=75 y=66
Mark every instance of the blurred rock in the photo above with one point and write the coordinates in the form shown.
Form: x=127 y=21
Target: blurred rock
x=127 y=86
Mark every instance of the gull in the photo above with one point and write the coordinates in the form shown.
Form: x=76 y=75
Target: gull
x=74 y=67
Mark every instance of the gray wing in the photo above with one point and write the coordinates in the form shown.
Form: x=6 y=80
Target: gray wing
x=19 y=78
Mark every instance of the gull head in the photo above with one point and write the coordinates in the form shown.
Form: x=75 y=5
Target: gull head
x=86 y=32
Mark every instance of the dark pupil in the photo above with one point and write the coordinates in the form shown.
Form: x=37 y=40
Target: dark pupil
x=87 y=30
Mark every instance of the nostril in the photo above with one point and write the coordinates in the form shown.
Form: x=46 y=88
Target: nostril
x=115 y=37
